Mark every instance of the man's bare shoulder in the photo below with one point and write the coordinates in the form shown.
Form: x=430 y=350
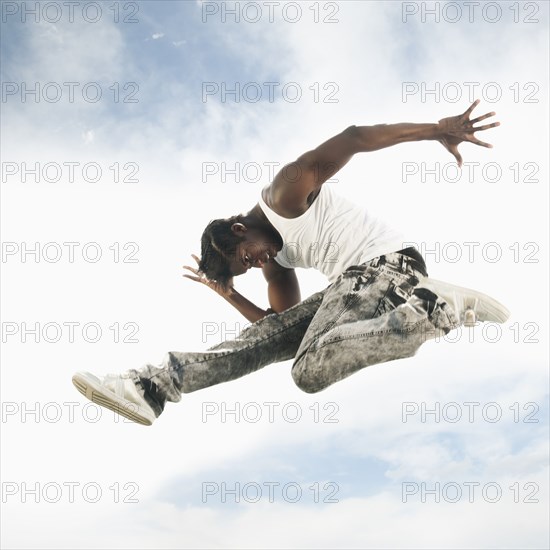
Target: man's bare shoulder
x=283 y=204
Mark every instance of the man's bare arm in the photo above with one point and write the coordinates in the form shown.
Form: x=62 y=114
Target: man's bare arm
x=282 y=285
x=296 y=181
x=283 y=289
x=283 y=292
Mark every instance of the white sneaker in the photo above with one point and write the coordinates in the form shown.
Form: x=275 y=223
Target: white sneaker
x=116 y=392
x=469 y=305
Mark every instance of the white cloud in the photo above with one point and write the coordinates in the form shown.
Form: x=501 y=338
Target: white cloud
x=88 y=136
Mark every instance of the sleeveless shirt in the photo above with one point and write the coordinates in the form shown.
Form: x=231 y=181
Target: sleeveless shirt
x=331 y=235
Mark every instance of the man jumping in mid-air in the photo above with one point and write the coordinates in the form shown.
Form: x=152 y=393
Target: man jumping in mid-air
x=380 y=305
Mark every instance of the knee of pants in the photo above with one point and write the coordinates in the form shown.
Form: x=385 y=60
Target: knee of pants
x=306 y=377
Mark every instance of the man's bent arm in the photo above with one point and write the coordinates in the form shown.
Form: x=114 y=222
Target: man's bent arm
x=227 y=291
x=283 y=291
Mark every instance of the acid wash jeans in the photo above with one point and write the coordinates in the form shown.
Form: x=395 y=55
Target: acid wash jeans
x=369 y=315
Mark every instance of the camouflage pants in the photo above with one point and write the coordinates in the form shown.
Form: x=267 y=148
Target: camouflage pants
x=371 y=314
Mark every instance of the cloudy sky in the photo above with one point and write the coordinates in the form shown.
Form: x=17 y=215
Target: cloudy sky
x=125 y=128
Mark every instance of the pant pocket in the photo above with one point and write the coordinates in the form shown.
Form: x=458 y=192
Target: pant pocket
x=394 y=296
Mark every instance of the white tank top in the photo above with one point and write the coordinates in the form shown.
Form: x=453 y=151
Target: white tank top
x=332 y=234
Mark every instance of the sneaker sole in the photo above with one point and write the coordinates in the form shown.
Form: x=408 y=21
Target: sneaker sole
x=493 y=311
x=106 y=398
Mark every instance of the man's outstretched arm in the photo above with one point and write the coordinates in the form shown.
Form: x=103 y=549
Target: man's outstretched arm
x=448 y=131
x=294 y=183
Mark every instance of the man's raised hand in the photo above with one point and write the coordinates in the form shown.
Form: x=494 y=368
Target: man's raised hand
x=455 y=129
x=200 y=277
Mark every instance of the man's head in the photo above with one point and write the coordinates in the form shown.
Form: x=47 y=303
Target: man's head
x=231 y=246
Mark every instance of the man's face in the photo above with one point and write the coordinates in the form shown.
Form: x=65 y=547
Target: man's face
x=254 y=251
